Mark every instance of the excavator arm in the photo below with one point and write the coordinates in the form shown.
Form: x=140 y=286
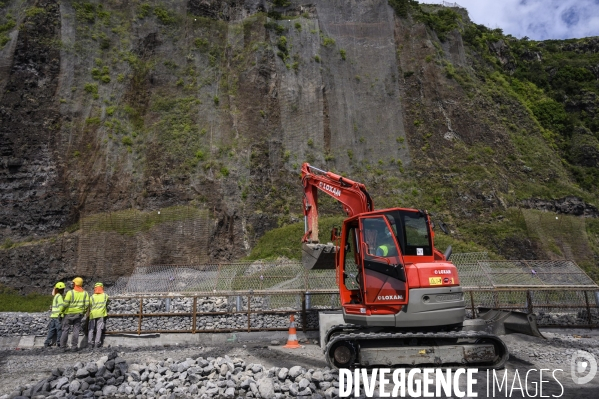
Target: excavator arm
x=353 y=197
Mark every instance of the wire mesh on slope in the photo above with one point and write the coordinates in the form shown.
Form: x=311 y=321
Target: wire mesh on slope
x=469 y=270
x=477 y=272
x=112 y=244
x=536 y=274
x=224 y=277
x=468 y=257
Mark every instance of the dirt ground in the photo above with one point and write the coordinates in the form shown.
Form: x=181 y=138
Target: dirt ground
x=528 y=355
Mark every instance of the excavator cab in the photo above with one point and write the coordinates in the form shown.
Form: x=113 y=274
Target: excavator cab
x=371 y=267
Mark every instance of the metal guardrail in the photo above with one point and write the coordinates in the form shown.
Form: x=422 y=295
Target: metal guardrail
x=567 y=302
x=306 y=301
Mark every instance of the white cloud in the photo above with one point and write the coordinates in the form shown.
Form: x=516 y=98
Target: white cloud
x=537 y=19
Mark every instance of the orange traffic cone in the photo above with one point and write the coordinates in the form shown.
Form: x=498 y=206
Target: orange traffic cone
x=292 y=340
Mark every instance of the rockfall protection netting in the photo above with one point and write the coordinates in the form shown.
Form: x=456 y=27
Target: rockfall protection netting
x=347 y=83
x=559 y=292
x=247 y=296
x=112 y=244
x=477 y=272
x=208 y=278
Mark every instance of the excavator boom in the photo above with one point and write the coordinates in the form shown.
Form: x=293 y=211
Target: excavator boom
x=352 y=195
x=354 y=199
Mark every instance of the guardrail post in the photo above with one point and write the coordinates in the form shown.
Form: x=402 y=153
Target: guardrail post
x=141 y=311
x=529 y=305
x=167 y=305
x=304 y=319
x=589 y=317
x=238 y=303
x=472 y=305
x=195 y=302
x=308 y=300
x=249 y=312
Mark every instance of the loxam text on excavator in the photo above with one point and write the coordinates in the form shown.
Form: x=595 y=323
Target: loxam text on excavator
x=401 y=299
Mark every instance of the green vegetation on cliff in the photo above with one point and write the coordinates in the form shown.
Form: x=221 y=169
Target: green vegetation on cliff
x=12 y=301
x=557 y=80
x=287 y=241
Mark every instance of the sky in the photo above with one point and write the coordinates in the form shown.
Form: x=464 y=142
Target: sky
x=536 y=19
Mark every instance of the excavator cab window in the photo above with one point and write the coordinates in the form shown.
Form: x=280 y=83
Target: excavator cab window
x=417 y=234
x=382 y=259
x=350 y=268
x=378 y=238
x=411 y=231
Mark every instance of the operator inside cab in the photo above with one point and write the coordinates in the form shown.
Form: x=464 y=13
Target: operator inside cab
x=379 y=237
x=386 y=246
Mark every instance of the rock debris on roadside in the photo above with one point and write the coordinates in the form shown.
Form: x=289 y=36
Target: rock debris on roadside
x=202 y=377
x=229 y=371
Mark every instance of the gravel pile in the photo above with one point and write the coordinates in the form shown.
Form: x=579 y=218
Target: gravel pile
x=567 y=319
x=17 y=323
x=222 y=377
x=230 y=370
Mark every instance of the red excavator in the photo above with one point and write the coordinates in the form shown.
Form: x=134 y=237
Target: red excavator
x=401 y=298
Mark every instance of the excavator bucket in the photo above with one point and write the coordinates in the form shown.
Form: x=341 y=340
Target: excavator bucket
x=501 y=322
x=319 y=256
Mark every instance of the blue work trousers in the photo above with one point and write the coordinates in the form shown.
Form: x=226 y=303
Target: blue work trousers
x=54 y=331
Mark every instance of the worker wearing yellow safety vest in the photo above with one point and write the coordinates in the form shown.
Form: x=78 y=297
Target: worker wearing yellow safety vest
x=74 y=308
x=97 y=316
x=55 y=327
x=386 y=245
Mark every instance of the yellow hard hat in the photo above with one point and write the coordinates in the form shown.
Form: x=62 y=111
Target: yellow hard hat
x=78 y=281
x=60 y=285
x=98 y=285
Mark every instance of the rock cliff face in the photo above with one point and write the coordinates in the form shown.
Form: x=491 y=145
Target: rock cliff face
x=35 y=197
x=33 y=268
x=112 y=111
x=567 y=206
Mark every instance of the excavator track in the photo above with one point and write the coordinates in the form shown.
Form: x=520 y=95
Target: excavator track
x=347 y=347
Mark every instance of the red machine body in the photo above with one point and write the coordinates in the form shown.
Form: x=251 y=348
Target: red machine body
x=371 y=280
x=402 y=300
